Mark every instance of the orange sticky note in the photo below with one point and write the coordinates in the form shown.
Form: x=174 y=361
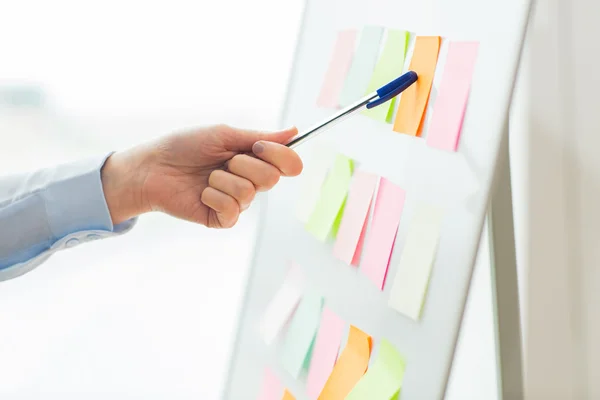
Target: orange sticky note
x=413 y=102
x=350 y=367
x=288 y=396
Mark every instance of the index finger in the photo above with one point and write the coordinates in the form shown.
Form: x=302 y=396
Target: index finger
x=280 y=156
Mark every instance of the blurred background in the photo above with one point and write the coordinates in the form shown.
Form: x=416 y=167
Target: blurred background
x=152 y=315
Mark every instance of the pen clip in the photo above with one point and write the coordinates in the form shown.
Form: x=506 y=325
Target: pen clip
x=393 y=89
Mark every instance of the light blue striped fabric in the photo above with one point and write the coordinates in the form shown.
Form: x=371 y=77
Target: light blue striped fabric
x=49 y=210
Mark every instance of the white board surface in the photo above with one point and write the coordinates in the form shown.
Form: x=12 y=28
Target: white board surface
x=460 y=183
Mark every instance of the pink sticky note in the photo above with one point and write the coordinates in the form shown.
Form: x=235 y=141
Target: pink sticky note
x=355 y=216
x=327 y=346
x=338 y=69
x=451 y=102
x=386 y=218
x=271 y=388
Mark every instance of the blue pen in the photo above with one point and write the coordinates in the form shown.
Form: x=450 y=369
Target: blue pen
x=378 y=97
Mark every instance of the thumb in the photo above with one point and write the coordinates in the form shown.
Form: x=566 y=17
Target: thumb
x=243 y=139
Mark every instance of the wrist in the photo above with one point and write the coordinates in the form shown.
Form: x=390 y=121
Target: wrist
x=122 y=183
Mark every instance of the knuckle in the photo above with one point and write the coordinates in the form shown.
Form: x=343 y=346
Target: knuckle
x=215 y=176
x=272 y=179
x=222 y=128
x=246 y=191
x=236 y=161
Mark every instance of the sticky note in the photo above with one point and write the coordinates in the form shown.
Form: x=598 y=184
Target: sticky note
x=301 y=333
x=282 y=305
x=339 y=65
x=353 y=222
x=388 y=68
x=362 y=65
x=313 y=176
x=386 y=218
x=383 y=380
x=288 y=395
x=350 y=367
x=271 y=388
x=325 y=352
x=333 y=195
x=448 y=114
x=412 y=278
x=413 y=102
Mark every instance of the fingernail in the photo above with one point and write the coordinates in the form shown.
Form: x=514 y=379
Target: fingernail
x=258 y=148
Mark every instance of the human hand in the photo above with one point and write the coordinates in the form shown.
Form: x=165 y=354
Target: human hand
x=208 y=175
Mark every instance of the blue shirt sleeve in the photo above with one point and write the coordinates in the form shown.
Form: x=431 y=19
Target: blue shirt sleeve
x=49 y=210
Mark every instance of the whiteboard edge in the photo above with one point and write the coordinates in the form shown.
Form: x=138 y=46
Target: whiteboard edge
x=493 y=184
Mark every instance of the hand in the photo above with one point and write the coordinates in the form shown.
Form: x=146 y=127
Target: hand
x=208 y=176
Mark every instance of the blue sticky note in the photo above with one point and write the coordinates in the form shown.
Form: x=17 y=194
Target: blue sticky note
x=362 y=65
x=301 y=334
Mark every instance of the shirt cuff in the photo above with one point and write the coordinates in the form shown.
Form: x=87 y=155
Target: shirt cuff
x=75 y=200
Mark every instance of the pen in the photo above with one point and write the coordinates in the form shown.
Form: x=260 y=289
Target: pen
x=374 y=99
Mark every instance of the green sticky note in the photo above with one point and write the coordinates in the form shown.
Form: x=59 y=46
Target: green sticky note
x=388 y=68
x=298 y=343
x=333 y=194
x=383 y=380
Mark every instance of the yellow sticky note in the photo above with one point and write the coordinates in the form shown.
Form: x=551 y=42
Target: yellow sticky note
x=388 y=68
x=383 y=380
x=331 y=200
x=416 y=261
x=288 y=396
x=350 y=366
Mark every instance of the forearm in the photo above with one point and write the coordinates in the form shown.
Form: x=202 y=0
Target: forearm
x=50 y=209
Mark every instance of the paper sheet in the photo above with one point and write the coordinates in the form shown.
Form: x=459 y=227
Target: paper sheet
x=301 y=333
x=313 y=176
x=388 y=68
x=288 y=395
x=412 y=278
x=386 y=218
x=350 y=367
x=338 y=69
x=362 y=65
x=410 y=115
x=331 y=200
x=327 y=346
x=355 y=216
x=383 y=380
x=282 y=305
x=271 y=388
x=448 y=114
